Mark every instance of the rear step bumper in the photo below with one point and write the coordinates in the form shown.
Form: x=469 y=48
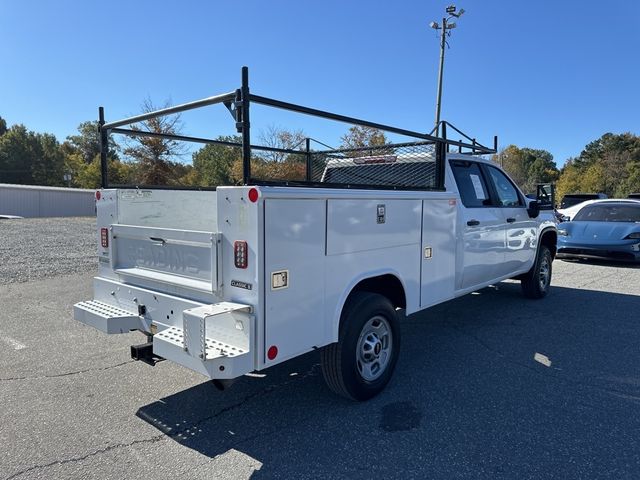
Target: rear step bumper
x=106 y=318
x=215 y=340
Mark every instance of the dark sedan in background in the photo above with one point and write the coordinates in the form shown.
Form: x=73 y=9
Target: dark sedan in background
x=603 y=230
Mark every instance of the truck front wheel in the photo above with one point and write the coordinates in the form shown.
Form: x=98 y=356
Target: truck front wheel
x=361 y=363
x=536 y=282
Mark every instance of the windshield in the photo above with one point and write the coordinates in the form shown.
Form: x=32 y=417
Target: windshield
x=608 y=213
x=571 y=200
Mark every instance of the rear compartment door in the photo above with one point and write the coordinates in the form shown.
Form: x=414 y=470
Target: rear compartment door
x=294 y=276
x=165 y=258
x=438 y=272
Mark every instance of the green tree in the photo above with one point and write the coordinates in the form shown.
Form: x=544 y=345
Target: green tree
x=87 y=142
x=568 y=181
x=3 y=126
x=592 y=178
x=18 y=148
x=527 y=166
x=29 y=158
x=609 y=144
x=85 y=175
x=48 y=164
x=631 y=181
x=212 y=164
x=609 y=165
x=359 y=136
x=157 y=158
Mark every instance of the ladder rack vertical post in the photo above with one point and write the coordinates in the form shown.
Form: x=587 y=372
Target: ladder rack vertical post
x=104 y=148
x=308 y=159
x=246 y=136
x=441 y=157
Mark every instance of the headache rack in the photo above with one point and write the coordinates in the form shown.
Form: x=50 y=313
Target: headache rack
x=414 y=165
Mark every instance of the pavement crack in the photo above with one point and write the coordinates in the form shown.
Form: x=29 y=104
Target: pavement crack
x=100 y=451
x=66 y=374
x=164 y=434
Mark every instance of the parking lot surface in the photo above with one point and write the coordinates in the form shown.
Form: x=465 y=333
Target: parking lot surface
x=490 y=385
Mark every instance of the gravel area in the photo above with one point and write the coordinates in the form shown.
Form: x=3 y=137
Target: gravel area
x=35 y=248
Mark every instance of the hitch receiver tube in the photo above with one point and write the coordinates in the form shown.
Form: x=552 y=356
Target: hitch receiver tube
x=144 y=353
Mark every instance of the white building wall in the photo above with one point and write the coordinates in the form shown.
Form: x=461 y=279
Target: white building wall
x=37 y=201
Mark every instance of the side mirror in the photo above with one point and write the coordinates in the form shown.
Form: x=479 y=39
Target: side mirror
x=546 y=196
x=534 y=209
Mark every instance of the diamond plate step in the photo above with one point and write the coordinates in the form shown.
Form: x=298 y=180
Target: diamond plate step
x=215 y=348
x=105 y=317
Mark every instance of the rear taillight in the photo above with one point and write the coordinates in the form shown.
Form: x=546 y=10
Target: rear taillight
x=104 y=237
x=240 y=254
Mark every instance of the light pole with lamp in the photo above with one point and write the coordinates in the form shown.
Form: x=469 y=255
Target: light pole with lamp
x=446 y=28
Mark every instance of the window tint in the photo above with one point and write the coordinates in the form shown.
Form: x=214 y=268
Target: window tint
x=471 y=185
x=507 y=193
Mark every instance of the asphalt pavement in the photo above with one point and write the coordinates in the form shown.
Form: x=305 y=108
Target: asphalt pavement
x=491 y=385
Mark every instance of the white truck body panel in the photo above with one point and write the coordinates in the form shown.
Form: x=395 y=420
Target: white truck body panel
x=169 y=267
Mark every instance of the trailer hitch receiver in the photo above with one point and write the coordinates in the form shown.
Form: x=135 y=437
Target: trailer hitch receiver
x=144 y=353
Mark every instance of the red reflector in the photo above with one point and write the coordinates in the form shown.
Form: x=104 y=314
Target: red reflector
x=104 y=237
x=240 y=254
x=253 y=195
x=98 y=195
x=273 y=352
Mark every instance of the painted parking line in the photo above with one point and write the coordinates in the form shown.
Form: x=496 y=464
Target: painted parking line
x=12 y=342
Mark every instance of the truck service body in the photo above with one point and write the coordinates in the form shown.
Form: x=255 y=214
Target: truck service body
x=241 y=278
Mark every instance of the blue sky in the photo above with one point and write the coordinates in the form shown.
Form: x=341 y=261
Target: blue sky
x=542 y=74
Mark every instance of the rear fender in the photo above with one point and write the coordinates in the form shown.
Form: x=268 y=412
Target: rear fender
x=354 y=286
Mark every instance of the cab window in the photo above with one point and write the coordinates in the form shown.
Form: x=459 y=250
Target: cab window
x=471 y=184
x=505 y=190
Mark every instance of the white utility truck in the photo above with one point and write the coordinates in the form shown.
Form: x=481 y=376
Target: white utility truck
x=237 y=279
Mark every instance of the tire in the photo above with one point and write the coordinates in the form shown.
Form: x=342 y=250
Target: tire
x=537 y=282
x=361 y=363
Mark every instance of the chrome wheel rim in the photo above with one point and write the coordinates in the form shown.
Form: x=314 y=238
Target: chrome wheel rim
x=544 y=275
x=374 y=347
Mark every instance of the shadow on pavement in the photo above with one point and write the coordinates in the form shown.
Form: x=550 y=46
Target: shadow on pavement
x=468 y=399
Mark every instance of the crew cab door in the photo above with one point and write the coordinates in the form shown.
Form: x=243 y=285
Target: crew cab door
x=481 y=247
x=521 y=230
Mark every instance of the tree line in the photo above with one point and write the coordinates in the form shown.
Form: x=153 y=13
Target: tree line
x=610 y=164
x=31 y=158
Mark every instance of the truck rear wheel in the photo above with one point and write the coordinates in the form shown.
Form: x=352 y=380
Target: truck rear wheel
x=536 y=282
x=361 y=363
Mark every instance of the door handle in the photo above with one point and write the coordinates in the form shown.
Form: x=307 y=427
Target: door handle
x=473 y=223
x=511 y=220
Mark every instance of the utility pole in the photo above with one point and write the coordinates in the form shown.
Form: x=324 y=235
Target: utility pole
x=445 y=28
